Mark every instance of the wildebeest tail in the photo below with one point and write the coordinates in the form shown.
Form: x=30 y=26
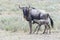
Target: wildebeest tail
x=52 y=23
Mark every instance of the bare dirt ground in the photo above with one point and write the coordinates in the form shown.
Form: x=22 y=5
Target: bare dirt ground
x=6 y=35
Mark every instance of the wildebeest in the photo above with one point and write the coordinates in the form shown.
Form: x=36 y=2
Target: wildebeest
x=40 y=23
x=30 y=14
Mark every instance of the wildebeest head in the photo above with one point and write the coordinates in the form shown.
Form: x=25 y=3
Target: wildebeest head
x=25 y=11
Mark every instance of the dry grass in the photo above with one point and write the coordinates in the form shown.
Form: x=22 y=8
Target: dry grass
x=11 y=17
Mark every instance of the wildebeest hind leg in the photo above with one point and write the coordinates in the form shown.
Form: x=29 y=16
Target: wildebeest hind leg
x=49 y=29
x=45 y=29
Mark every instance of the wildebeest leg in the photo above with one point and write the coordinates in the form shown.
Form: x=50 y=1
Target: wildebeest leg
x=30 y=24
x=49 y=28
x=36 y=28
x=45 y=29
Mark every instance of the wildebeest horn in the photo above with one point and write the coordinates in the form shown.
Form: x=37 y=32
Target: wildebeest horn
x=20 y=7
x=29 y=6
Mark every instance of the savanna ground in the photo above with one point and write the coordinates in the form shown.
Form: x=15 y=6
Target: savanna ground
x=7 y=35
x=14 y=27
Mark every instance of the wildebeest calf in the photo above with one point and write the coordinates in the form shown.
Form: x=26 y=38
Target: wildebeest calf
x=42 y=22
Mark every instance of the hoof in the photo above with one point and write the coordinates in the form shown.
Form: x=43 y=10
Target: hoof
x=43 y=33
x=36 y=33
x=30 y=33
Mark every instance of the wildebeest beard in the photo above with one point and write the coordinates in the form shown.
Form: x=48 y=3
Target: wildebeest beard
x=26 y=14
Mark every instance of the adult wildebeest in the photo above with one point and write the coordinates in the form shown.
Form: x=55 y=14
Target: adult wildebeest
x=32 y=13
x=40 y=23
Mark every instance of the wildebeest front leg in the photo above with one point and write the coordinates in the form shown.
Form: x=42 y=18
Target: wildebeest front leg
x=35 y=29
x=38 y=28
x=30 y=24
